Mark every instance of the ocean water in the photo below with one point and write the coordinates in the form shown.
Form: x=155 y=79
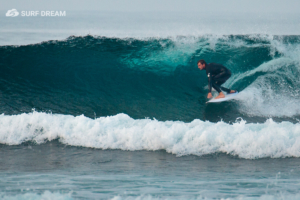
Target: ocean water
x=113 y=106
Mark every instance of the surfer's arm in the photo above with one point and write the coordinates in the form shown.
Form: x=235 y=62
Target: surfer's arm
x=223 y=71
x=209 y=86
x=209 y=82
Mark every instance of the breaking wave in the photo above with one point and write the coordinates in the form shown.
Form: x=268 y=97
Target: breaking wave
x=250 y=141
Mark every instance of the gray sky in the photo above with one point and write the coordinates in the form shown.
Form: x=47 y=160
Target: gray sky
x=261 y=6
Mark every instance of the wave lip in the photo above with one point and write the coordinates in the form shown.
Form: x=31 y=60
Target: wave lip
x=250 y=141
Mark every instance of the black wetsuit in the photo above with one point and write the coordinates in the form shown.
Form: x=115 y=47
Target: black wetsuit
x=217 y=75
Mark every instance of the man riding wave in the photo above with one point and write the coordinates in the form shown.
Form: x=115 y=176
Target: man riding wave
x=217 y=75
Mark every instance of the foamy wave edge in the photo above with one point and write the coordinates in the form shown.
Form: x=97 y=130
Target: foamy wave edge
x=250 y=141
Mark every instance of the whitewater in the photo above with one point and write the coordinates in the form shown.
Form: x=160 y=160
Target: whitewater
x=249 y=141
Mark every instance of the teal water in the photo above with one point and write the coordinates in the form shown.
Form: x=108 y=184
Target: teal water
x=155 y=78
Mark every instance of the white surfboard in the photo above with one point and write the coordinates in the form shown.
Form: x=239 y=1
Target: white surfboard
x=226 y=98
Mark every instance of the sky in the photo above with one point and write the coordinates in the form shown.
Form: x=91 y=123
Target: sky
x=199 y=17
x=260 y=6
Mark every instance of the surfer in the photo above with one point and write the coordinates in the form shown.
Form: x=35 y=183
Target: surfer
x=217 y=75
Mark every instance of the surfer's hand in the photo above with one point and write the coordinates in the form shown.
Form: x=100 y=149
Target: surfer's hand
x=209 y=96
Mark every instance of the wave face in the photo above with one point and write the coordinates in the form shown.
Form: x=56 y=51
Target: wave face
x=154 y=77
x=249 y=141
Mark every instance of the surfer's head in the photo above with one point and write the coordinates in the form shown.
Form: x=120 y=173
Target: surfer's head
x=201 y=64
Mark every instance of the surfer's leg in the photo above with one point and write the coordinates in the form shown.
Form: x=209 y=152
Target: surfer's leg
x=221 y=80
x=225 y=89
x=229 y=91
x=217 y=87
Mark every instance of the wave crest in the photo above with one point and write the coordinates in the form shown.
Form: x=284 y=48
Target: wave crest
x=249 y=141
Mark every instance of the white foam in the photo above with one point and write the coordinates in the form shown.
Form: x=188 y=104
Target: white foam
x=262 y=98
x=270 y=139
x=275 y=92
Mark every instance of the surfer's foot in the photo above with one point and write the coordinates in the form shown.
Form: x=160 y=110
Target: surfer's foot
x=232 y=91
x=221 y=95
